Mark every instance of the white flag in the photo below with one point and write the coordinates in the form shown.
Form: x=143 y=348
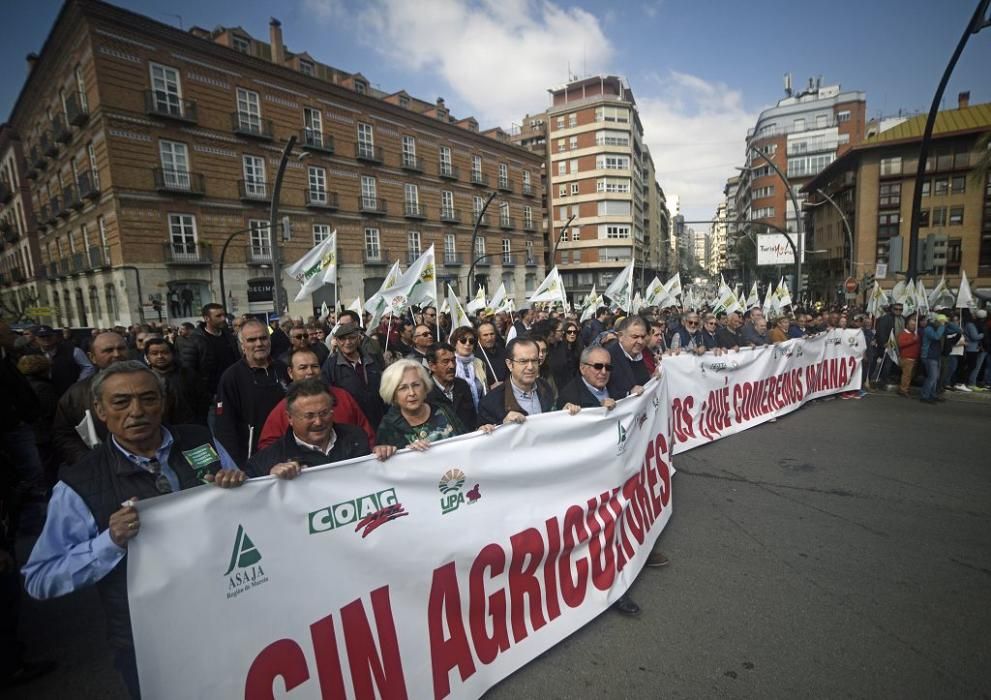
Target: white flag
x=673 y=285
x=459 y=319
x=726 y=299
x=921 y=299
x=357 y=308
x=376 y=303
x=753 y=299
x=551 y=289
x=478 y=303
x=877 y=301
x=498 y=299
x=941 y=297
x=620 y=292
x=636 y=304
x=317 y=268
x=656 y=294
x=891 y=348
x=965 y=299
x=904 y=294
x=324 y=311
x=422 y=278
x=784 y=296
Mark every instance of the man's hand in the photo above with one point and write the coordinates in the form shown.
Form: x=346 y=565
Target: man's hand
x=487 y=428
x=636 y=391
x=286 y=470
x=227 y=478
x=609 y=404
x=572 y=408
x=514 y=417
x=383 y=452
x=419 y=445
x=673 y=351
x=124 y=523
x=717 y=351
x=699 y=349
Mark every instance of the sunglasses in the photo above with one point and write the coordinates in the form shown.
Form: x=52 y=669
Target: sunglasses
x=571 y=331
x=599 y=366
x=424 y=335
x=467 y=341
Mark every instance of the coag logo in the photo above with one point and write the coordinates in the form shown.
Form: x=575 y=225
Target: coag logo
x=369 y=512
x=245 y=569
x=450 y=486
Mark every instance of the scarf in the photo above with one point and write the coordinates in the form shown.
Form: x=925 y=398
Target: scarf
x=466 y=370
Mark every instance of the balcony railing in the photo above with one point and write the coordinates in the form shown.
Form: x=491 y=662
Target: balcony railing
x=412 y=255
x=508 y=260
x=448 y=171
x=529 y=226
x=252 y=126
x=8 y=231
x=375 y=256
x=414 y=210
x=63 y=267
x=87 y=187
x=372 y=205
x=96 y=257
x=38 y=159
x=71 y=199
x=450 y=216
x=198 y=253
x=259 y=255
x=60 y=130
x=321 y=199
x=52 y=269
x=6 y=193
x=251 y=191
x=55 y=207
x=18 y=275
x=531 y=261
x=483 y=221
x=78 y=262
x=482 y=261
x=159 y=104
x=453 y=259
x=368 y=153
x=527 y=189
x=507 y=223
x=479 y=178
x=74 y=109
x=505 y=184
x=315 y=140
x=412 y=163
x=179 y=182
x=49 y=146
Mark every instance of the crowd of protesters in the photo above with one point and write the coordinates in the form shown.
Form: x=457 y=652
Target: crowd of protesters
x=93 y=423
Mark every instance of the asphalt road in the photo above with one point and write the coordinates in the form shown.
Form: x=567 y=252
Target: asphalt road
x=844 y=551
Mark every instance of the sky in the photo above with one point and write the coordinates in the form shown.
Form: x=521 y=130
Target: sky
x=701 y=71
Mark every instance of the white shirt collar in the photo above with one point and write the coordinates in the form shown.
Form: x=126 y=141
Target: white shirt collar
x=315 y=448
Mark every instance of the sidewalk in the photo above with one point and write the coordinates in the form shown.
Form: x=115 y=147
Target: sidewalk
x=949 y=394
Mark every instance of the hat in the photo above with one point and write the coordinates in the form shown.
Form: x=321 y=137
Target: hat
x=346 y=329
x=42 y=331
x=941 y=318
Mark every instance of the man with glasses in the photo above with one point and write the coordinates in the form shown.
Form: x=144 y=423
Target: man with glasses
x=689 y=334
x=429 y=315
x=356 y=372
x=423 y=337
x=299 y=339
x=523 y=395
x=629 y=372
x=591 y=388
x=89 y=524
x=317 y=335
x=247 y=393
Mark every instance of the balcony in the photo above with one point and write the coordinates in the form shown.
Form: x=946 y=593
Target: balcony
x=49 y=146
x=166 y=106
x=447 y=171
x=508 y=260
x=314 y=140
x=63 y=267
x=412 y=164
x=505 y=184
x=87 y=187
x=60 y=130
x=375 y=256
x=252 y=126
x=450 y=216
x=531 y=261
x=453 y=259
x=44 y=217
x=414 y=210
x=71 y=199
x=54 y=208
x=74 y=109
x=77 y=263
x=529 y=226
x=412 y=256
x=527 y=189
x=176 y=253
x=259 y=255
x=179 y=182
x=52 y=270
x=38 y=159
x=368 y=153
x=479 y=178
x=8 y=231
x=483 y=222
x=321 y=199
x=6 y=194
x=482 y=261
x=507 y=223
x=97 y=259
x=252 y=191
x=372 y=205
x=18 y=275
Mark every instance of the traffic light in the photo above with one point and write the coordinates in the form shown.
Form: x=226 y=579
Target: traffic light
x=868 y=280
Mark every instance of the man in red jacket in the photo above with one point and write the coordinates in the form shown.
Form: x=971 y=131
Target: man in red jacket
x=909 y=345
x=303 y=364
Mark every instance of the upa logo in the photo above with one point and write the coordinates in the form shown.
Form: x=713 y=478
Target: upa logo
x=245 y=569
x=451 y=486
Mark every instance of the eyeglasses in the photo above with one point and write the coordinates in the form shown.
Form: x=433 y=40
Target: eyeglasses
x=424 y=335
x=691 y=323
x=326 y=413
x=599 y=366
x=467 y=341
x=571 y=331
x=162 y=484
x=534 y=362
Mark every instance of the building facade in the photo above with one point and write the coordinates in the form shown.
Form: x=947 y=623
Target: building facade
x=150 y=153
x=873 y=185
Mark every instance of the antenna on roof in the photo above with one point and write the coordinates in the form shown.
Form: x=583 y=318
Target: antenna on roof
x=178 y=17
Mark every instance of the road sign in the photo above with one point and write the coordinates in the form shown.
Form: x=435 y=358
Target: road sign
x=881 y=270
x=851 y=285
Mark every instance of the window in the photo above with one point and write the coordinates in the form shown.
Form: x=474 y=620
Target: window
x=572 y=120
x=306 y=67
x=182 y=236
x=504 y=213
x=562 y=190
x=614 y=231
x=559 y=123
x=446 y=204
x=953 y=254
x=888 y=224
x=476 y=206
x=409 y=151
x=366 y=140
x=528 y=216
x=565 y=256
x=923 y=217
x=576 y=233
x=175 y=164
x=843 y=116
x=958 y=184
x=165 y=90
x=312 y=127
x=610 y=162
x=561 y=146
x=762 y=213
x=526 y=180
x=321 y=232
x=573 y=166
x=413 y=245
x=821 y=121
x=476 y=167
x=956 y=216
x=249 y=111
x=261 y=238
x=318 y=185
x=507 y=251
x=450 y=248
x=101 y=226
x=612 y=138
x=938 y=216
x=574 y=188
x=891 y=166
x=961 y=160
x=614 y=207
x=941 y=185
x=529 y=252
x=612 y=184
x=81 y=89
x=562 y=167
x=360 y=87
x=369 y=193
x=573 y=143
x=612 y=114
x=889 y=194
x=762 y=192
x=254 y=176
x=479 y=247
x=445 y=161
x=809 y=165
x=503 y=175
x=798 y=125
x=94 y=172
x=241 y=44
x=576 y=256
x=373 y=245
x=926 y=188
x=411 y=196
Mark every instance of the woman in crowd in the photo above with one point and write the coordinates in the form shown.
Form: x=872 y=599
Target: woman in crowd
x=411 y=421
x=467 y=365
x=909 y=345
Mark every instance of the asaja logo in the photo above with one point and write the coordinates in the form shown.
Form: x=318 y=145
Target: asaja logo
x=244 y=570
x=451 y=486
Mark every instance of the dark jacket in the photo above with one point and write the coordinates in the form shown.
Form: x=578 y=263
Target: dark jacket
x=105 y=478
x=245 y=397
x=351 y=442
x=463 y=406
x=186 y=397
x=496 y=404
x=337 y=371
x=71 y=410
x=728 y=339
x=495 y=363
x=625 y=374
x=209 y=356
x=577 y=393
x=395 y=429
x=19 y=401
x=65 y=371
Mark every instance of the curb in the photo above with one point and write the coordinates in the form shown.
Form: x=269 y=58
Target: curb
x=949 y=394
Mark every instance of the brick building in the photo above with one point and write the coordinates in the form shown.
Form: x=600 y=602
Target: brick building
x=135 y=150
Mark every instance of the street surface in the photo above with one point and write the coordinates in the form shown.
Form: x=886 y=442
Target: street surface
x=844 y=551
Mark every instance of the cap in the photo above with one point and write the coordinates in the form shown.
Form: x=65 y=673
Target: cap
x=42 y=331
x=941 y=318
x=346 y=329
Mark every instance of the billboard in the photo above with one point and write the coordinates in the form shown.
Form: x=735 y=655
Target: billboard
x=773 y=249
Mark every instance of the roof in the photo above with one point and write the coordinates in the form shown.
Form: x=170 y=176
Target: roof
x=948 y=121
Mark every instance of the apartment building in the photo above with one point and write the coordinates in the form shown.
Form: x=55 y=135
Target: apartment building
x=142 y=156
x=732 y=268
x=873 y=184
x=802 y=134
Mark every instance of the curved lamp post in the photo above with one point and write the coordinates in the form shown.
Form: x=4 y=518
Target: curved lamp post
x=474 y=238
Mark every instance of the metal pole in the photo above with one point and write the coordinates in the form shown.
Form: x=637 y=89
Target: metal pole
x=977 y=22
x=272 y=231
x=474 y=236
x=798 y=219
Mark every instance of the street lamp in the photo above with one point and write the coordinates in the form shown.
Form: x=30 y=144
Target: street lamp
x=474 y=237
x=273 y=218
x=846 y=223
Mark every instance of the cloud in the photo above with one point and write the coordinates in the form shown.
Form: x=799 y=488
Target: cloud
x=695 y=130
x=499 y=57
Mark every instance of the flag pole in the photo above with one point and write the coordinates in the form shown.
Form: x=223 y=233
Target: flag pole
x=488 y=362
x=388 y=332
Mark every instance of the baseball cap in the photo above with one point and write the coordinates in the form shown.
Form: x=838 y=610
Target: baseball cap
x=42 y=331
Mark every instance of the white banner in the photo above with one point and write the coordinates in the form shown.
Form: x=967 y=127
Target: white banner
x=713 y=396
x=774 y=249
x=430 y=575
